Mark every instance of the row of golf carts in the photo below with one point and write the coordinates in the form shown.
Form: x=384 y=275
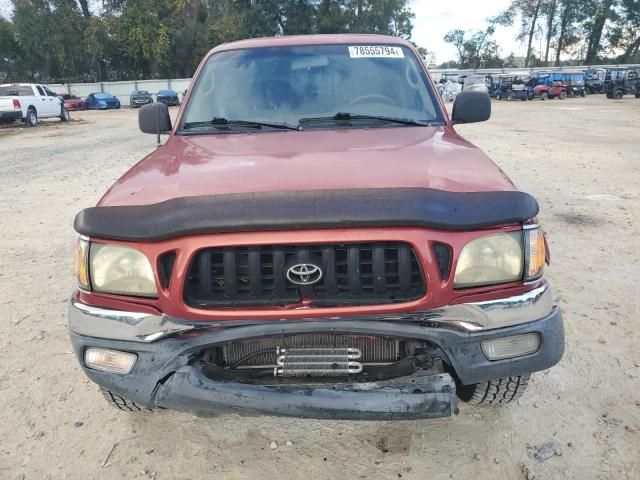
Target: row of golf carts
x=615 y=83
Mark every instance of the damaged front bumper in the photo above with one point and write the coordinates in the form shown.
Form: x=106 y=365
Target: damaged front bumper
x=165 y=375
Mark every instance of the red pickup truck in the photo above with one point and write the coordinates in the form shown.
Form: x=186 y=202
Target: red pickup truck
x=314 y=239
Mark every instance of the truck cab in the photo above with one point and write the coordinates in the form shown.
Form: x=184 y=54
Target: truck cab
x=30 y=102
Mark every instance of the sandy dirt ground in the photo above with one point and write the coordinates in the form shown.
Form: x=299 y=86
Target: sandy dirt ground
x=579 y=157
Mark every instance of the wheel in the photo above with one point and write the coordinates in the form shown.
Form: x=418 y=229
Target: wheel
x=524 y=99
x=618 y=94
x=31 y=120
x=509 y=97
x=563 y=95
x=494 y=392
x=122 y=403
x=64 y=115
x=583 y=93
x=497 y=96
x=544 y=96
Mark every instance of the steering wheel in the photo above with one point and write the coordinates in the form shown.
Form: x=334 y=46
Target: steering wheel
x=372 y=96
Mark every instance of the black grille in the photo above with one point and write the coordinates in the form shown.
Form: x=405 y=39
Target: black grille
x=443 y=258
x=353 y=274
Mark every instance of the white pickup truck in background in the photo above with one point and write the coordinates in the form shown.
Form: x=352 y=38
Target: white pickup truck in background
x=29 y=102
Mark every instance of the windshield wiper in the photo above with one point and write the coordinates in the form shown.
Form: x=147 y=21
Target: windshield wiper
x=217 y=122
x=346 y=116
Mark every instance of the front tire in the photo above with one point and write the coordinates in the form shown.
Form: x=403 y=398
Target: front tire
x=544 y=96
x=618 y=94
x=122 y=403
x=64 y=115
x=494 y=393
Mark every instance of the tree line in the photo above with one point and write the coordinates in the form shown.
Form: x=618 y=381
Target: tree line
x=75 y=41
x=584 y=31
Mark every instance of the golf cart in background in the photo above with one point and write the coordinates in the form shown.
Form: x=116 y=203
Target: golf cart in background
x=573 y=80
x=510 y=87
x=476 y=83
x=449 y=77
x=549 y=85
x=594 y=80
x=622 y=81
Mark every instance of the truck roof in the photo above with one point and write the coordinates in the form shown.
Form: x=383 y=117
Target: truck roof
x=323 y=39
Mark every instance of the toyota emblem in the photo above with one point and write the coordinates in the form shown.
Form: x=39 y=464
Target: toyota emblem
x=304 y=274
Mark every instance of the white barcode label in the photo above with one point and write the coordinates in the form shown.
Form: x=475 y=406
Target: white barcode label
x=368 y=51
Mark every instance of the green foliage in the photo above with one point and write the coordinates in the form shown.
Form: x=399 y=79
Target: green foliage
x=475 y=49
x=135 y=39
x=9 y=51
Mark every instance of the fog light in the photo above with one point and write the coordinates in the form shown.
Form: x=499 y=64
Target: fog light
x=508 y=347
x=109 y=360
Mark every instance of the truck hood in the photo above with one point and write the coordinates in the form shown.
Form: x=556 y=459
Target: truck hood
x=429 y=157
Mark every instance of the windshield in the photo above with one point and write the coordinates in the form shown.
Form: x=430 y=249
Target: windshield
x=141 y=92
x=282 y=85
x=102 y=96
x=616 y=74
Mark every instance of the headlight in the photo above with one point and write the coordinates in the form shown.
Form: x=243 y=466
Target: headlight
x=120 y=270
x=490 y=260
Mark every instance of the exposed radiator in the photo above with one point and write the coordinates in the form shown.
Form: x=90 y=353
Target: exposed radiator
x=317 y=362
x=261 y=352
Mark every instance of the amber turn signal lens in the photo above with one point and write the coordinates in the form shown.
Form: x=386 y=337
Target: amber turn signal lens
x=535 y=252
x=81 y=263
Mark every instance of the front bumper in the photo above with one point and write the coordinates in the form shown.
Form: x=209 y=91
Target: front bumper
x=163 y=376
x=169 y=101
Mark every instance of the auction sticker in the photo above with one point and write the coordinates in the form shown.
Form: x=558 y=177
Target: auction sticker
x=364 y=51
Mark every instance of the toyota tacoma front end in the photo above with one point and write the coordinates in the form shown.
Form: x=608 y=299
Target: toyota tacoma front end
x=314 y=239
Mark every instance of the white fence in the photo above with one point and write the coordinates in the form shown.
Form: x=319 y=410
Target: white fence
x=122 y=90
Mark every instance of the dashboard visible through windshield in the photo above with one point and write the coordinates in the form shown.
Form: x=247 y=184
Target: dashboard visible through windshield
x=314 y=86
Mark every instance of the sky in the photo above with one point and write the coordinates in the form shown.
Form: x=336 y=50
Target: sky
x=434 y=18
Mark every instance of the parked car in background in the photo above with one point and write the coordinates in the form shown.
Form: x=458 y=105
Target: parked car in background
x=73 y=102
x=30 y=102
x=573 y=80
x=622 y=81
x=139 y=98
x=168 y=97
x=594 y=80
x=101 y=101
x=344 y=253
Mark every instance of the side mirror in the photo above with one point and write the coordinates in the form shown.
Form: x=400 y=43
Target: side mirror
x=471 y=107
x=154 y=118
